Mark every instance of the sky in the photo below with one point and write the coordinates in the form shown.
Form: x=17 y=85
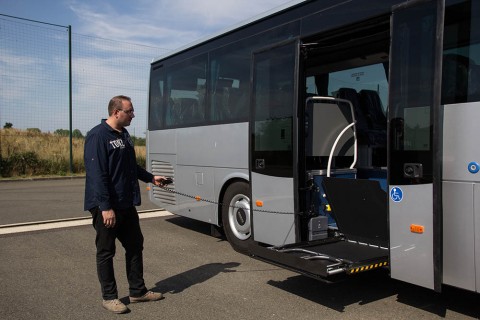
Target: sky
x=167 y=23
x=158 y=25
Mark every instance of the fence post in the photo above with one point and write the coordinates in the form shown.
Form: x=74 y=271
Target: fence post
x=70 y=93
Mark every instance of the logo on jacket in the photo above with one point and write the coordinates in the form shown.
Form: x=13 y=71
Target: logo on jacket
x=117 y=144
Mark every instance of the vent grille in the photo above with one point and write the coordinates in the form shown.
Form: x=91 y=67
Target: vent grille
x=160 y=168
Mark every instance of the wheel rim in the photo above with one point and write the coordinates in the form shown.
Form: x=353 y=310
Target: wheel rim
x=239 y=216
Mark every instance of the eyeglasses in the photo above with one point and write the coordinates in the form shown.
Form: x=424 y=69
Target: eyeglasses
x=129 y=112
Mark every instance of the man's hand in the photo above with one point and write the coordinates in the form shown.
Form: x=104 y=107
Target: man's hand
x=161 y=181
x=109 y=218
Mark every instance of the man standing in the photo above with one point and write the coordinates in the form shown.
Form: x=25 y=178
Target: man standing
x=111 y=194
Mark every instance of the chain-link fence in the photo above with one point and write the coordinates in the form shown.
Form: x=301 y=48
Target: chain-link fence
x=35 y=84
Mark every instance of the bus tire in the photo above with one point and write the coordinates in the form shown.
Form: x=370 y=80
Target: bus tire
x=236 y=217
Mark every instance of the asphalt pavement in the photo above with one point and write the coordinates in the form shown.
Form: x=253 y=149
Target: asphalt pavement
x=23 y=201
x=51 y=274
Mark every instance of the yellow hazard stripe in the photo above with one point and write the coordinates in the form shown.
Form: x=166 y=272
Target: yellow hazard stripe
x=367 y=267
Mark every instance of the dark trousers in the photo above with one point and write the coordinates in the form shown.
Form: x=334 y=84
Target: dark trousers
x=127 y=231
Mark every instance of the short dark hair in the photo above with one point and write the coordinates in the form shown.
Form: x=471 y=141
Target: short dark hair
x=116 y=103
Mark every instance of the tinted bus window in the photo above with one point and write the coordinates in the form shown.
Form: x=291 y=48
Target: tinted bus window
x=274 y=101
x=185 y=93
x=230 y=87
x=461 y=60
x=156 y=107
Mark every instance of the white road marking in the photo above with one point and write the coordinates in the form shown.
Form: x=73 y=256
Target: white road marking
x=66 y=223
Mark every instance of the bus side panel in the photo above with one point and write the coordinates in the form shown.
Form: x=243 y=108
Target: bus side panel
x=460 y=141
x=411 y=253
x=274 y=220
x=165 y=143
x=458 y=235
x=477 y=234
x=214 y=146
x=201 y=152
x=461 y=197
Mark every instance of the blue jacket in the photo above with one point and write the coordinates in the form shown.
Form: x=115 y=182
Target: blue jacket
x=112 y=170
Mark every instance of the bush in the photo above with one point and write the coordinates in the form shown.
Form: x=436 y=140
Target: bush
x=25 y=163
x=62 y=132
x=34 y=130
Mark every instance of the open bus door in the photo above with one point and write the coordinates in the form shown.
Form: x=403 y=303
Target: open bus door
x=276 y=217
x=272 y=155
x=414 y=143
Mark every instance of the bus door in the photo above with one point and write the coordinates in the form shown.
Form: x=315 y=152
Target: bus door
x=414 y=138
x=272 y=147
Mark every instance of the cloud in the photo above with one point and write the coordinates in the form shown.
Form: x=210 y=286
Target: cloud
x=165 y=24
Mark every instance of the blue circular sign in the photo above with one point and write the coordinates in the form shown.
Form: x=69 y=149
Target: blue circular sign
x=396 y=194
x=473 y=167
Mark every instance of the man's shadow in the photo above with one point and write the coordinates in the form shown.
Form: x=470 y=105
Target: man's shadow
x=184 y=280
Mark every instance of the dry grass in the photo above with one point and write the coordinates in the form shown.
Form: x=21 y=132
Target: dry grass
x=25 y=153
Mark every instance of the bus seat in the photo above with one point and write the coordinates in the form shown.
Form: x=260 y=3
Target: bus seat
x=234 y=108
x=455 y=74
x=377 y=121
x=361 y=124
x=372 y=107
x=189 y=111
x=220 y=99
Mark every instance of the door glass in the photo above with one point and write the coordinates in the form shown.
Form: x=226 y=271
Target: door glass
x=273 y=111
x=411 y=93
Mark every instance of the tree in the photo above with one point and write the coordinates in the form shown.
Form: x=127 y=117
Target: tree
x=34 y=130
x=77 y=134
x=8 y=125
x=62 y=132
x=138 y=141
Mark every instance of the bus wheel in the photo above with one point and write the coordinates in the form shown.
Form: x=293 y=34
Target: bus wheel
x=236 y=217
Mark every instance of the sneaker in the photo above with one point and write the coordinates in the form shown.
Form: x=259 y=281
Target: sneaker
x=149 y=296
x=115 y=306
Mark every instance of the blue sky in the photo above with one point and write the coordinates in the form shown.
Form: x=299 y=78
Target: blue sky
x=159 y=25
x=167 y=24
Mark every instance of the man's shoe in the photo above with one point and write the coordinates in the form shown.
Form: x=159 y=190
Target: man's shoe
x=115 y=306
x=149 y=296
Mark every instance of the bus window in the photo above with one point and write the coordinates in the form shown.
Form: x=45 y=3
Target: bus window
x=366 y=87
x=155 y=118
x=372 y=78
x=186 y=93
x=461 y=60
x=230 y=88
x=274 y=99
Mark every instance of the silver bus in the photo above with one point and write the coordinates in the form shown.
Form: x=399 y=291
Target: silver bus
x=331 y=138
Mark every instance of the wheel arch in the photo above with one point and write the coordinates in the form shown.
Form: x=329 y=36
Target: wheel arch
x=227 y=183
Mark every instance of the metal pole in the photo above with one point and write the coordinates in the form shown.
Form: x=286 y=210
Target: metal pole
x=70 y=93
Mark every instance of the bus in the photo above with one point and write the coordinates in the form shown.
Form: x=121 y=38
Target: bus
x=330 y=138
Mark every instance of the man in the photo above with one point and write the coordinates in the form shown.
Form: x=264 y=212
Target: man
x=111 y=194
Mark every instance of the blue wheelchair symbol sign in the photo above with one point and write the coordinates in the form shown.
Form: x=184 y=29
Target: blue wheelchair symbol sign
x=396 y=194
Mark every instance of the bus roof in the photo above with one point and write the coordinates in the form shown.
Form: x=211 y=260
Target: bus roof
x=244 y=23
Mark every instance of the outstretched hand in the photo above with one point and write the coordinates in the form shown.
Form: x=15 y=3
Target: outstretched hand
x=161 y=181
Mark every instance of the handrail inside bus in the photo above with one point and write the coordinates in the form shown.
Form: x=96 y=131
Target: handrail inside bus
x=319 y=98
